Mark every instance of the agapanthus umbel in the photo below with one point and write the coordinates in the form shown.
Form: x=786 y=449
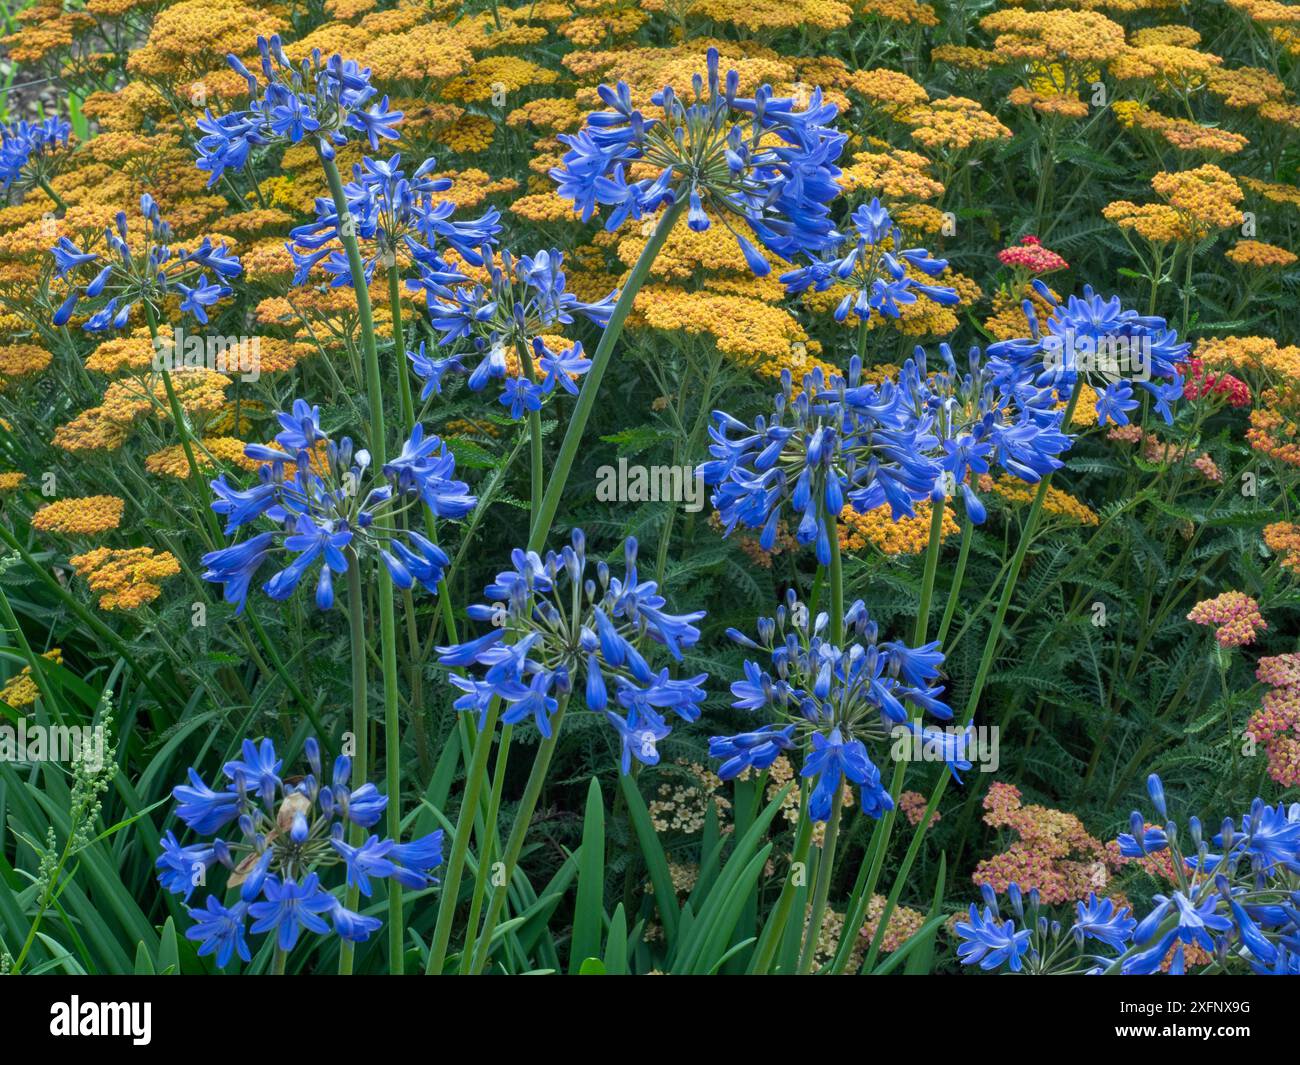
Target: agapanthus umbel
x=835 y=440
x=137 y=268
x=557 y=630
x=1234 y=904
x=389 y=212
x=289 y=833
x=982 y=416
x=1031 y=939
x=29 y=151
x=328 y=506
x=1110 y=346
x=759 y=158
x=873 y=270
x=324 y=100
x=838 y=699
x=1234 y=615
x=1231 y=901
x=522 y=299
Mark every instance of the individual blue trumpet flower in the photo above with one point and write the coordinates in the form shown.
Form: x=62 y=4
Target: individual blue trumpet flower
x=762 y=160
x=1103 y=921
x=329 y=100
x=288 y=834
x=139 y=269
x=871 y=267
x=842 y=699
x=330 y=510
x=558 y=631
x=990 y=942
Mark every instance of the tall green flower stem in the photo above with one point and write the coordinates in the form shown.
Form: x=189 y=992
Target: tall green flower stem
x=487 y=848
x=387 y=611
x=869 y=874
x=360 y=724
x=774 y=932
x=399 y=346
x=977 y=690
x=826 y=857
x=600 y=360
x=474 y=776
x=534 y=433
x=515 y=842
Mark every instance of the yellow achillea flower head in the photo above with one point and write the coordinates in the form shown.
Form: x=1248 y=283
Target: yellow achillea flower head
x=906 y=536
x=11 y=481
x=21 y=690
x=1056 y=502
x=125 y=579
x=84 y=516
x=208 y=454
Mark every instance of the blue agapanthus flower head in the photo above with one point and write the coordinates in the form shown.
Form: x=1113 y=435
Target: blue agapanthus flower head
x=1239 y=906
x=329 y=100
x=766 y=160
x=1110 y=346
x=390 y=214
x=841 y=698
x=982 y=418
x=876 y=273
x=506 y=316
x=833 y=442
x=29 y=150
x=329 y=510
x=137 y=267
x=562 y=625
x=280 y=835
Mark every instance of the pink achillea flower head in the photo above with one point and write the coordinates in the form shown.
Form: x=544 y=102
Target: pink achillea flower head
x=1234 y=615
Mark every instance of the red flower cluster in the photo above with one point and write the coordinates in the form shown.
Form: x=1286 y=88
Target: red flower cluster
x=1200 y=383
x=1030 y=255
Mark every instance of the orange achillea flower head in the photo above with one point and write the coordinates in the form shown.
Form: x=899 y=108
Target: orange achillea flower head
x=1259 y=256
x=11 y=480
x=954 y=123
x=893 y=174
x=19 y=361
x=1283 y=539
x=1056 y=502
x=1054 y=853
x=1181 y=133
x=1207 y=195
x=125 y=579
x=84 y=516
